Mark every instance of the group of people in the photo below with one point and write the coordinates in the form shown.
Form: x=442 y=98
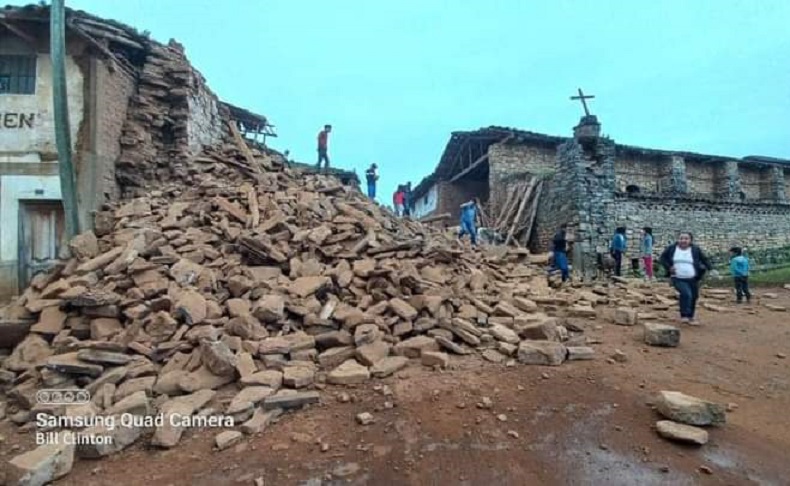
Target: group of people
x=402 y=200
x=685 y=264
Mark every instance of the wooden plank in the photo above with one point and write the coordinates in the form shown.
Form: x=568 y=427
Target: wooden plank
x=533 y=213
x=19 y=32
x=470 y=168
x=520 y=210
x=242 y=146
x=438 y=217
x=252 y=201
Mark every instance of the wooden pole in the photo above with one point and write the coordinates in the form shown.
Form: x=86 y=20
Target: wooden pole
x=533 y=213
x=60 y=105
x=520 y=210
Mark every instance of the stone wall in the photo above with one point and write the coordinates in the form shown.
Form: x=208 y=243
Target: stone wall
x=649 y=174
x=715 y=226
x=755 y=182
x=787 y=182
x=703 y=178
x=452 y=195
x=509 y=163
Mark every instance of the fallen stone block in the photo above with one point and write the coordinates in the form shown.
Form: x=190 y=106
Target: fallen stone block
x=271 y=378
x=107 y=440
x=290 y=401
x=624 y=316
x=389 y=366
x=298 y=376
x=579 y=353
x=681 y=433
x=661 y=335
x=43 y=464
x=502 y=333
x=546 y=353
x=227 y=439
x=689 y=410
x=348 y=373
x=435 y=359
x=260 y=420
x=413 y=347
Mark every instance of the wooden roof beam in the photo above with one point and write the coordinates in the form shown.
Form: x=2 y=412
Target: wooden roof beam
x=480 y=160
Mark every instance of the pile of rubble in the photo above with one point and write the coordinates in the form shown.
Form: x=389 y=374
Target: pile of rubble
x=263 y=290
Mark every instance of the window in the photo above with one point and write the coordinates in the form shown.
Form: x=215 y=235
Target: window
x=17 y=74
x=632 y=189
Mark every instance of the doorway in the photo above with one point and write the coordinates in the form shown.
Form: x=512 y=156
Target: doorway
x=41 y=238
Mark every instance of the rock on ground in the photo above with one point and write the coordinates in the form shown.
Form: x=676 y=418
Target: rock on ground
x=689 y=410
x=547 y=353
x=43 y=464
x=681 y=433
x=662 y=335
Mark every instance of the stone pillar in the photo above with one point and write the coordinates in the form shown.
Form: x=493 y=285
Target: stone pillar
x=778 y=192
x=732 y=180
x=678 y=183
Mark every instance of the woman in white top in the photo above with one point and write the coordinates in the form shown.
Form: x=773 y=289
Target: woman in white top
x=686 y=264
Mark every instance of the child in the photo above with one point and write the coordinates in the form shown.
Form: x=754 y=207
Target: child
x=739 y=267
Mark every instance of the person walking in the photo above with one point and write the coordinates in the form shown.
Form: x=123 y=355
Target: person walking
x=372 y=175
x=686 y=264
x=739 y=268
x=468 y=215
x=560 y=247
x=617 y=249
x=647 y=251
x=397 y=201
x=407 y=202
x=323 y=146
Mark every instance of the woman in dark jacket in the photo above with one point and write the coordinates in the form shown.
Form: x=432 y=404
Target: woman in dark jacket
x=686 y=264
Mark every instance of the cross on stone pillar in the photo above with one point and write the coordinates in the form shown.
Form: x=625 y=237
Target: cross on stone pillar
x=583 y=98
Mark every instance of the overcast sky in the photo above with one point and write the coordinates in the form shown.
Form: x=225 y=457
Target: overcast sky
x=395 y=78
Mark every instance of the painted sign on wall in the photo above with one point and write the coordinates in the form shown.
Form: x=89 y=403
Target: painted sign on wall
x=26 y=121
x=10 y=121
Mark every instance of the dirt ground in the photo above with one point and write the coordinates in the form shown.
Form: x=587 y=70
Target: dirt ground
x=586 y=422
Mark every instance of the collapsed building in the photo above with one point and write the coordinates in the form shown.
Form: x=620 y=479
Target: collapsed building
x=595 y=185
x=138 y=112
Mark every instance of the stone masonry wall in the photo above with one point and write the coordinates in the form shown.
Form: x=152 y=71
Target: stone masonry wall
x=703 y=178
x=787 y=182
x=716 y=227
x=509 y=163
x=755 y=182
x=452 y=195
x=649 y=174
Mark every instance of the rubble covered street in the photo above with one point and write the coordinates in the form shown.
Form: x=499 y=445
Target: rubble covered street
x=230 y=317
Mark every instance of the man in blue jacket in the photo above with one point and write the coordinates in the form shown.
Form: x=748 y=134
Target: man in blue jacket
x=739 y=268
x=468 y=216
x=617 y=249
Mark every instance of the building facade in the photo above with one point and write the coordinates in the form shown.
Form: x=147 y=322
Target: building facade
x=595 y=185
x=137 y=111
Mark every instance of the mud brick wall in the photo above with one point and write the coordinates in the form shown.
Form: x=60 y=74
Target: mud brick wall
x=114 y=90
x=510 y=163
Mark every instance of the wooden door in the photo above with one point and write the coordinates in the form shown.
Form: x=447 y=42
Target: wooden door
x=41 y=238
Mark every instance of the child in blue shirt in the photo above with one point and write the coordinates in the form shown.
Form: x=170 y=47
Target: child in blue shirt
x=739 y=268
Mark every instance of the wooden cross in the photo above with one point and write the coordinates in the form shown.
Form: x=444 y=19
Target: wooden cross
x=583 y=97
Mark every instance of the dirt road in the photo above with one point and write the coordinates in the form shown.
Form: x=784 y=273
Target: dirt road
x=585 y=422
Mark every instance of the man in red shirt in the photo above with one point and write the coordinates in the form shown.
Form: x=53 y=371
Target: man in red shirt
x=323 y=145
x=398 y=199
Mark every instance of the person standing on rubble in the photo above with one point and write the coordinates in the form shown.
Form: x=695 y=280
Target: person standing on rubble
x=468 y=216
x=686 y=264
x=407 y=200
x=372 y=175
x=617 y=249
x=323 y=146
x=560 y=247
x=397 y=201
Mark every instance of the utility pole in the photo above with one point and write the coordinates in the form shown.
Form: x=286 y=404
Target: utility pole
x=60 y=104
